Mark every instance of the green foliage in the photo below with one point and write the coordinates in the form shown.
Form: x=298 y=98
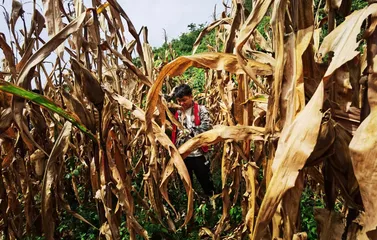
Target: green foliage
x=201 y=214
x=309 y=201
x=262 y=25
x=235 y=214
x=183 y=46
x=31 y=237
x=248 y=5
x=73 y=228
x=195 y=77
x=358 y=4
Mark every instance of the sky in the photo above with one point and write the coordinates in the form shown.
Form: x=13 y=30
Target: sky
x=171 y=15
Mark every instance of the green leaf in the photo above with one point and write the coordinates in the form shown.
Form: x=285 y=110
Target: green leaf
x=76 y=172
x=46 y=103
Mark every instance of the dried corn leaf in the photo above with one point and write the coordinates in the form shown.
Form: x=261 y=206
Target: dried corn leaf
x=144 y=79
x=293 y=95
x=9 y=150
x=226 y=207
x=363 y=147
x=295 y=146
x=238 y=19
x=7 y=51
x=342 y=169
x=300 y=236
x=74 y=105
x=79 y=7
x=6 y=118
x=17 y=11
x=207 y=30
x=47 y=48
x=261 y=41
x=27 y=72
x=131 y=29
x=90 y=85
x=38 y=160
x=277 y=24
x=53 y=21
x=50 y=180
x=218 y=134
x=330 y=224
x=176 y=159
x=342 y=40
x=259 y=11
x=122 y=182
x=291 y=207
x=250 y=174
x=216 y=61
x=363 y=151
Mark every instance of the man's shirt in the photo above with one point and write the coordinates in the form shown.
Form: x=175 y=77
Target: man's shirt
x=187 y=119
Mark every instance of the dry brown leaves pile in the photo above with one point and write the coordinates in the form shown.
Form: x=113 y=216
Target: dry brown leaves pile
x=286 y=101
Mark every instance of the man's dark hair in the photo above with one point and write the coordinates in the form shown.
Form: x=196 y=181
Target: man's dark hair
x=182 y=90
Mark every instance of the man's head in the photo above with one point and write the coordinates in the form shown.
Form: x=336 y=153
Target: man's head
x=183 y=95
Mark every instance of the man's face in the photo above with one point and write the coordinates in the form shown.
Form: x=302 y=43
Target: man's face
x=185 y=102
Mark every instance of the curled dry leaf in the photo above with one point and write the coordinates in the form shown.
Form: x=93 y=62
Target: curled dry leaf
x=208 y=29
x=122 y=181
x=363 y=151
x=306 y=140
x=16 y=13
x=38 y=160
x=75 y=106
x=300 y=236
x=259 y=11
x=342 y=40
x=293 y=92
x=53 y=20
x=105 y=231
x=6 y=118
x=342 y=169
x=261 y=41
x=219 y=134
x=176 y=159
x=27 y=72
x=238 y=17
x=7 y=51
x=277 y=24
x=250 y=180
x=90 y=84
x=47 y=48
x=8 y=147
x=132 y=67
x=330 y=224
x=363 y=148
x=131 y=29
x=295 y=145
x=291 y=207
x=50 y=180
x=215 y=61
x=325 y=141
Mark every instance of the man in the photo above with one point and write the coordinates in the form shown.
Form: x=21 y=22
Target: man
x=195 y=120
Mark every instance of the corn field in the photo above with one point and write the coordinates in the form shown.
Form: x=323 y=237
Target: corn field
x=293 y=107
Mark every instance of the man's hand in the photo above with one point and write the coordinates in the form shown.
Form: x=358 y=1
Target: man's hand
x=187 y=134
